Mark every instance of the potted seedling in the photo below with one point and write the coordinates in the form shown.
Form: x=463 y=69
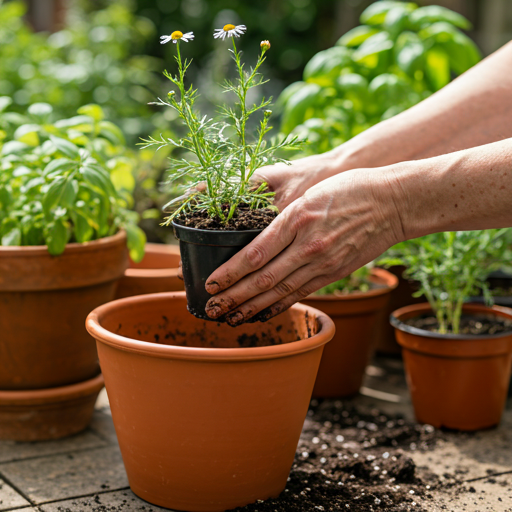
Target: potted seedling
x=208 y=416
x=221 y=210
x=355 y=304
x=458 y=356
x=63 y=236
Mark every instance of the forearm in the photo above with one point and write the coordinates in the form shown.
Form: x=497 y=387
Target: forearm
x=474 y=109
x=466 y=190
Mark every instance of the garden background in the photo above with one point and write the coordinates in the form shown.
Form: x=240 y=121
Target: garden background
x=70 y=53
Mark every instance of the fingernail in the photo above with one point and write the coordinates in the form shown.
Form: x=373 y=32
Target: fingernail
x=213 y=311
x=235 y=318
x=212 y=287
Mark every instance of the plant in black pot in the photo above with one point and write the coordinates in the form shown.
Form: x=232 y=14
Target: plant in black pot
x=221 y=210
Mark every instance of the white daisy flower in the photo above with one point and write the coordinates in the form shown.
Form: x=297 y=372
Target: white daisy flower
x=177 y=36
x=229 y=31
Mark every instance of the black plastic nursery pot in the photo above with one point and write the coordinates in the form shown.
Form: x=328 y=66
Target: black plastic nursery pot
x=202 y=252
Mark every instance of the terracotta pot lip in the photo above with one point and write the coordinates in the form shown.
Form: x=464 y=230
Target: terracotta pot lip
x=214 y=231
x=156 y=273
x=416 y=309
x=52 y=395
x=41 y=250
x=391 y=282
x=147 y=348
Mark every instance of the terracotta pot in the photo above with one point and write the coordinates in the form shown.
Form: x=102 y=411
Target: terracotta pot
x=46 y=414
x=355 y=316
x=400 y=297
x=456 y=381
x=157 y=272
x=208 y=416
x=44 y=301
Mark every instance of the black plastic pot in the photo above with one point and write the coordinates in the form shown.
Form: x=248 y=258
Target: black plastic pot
x=202 y=252
x=498 y=279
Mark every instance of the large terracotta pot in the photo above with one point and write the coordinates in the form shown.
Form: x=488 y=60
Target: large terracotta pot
x=157 y=272
x=456 y=381
x=44 y=301
x=208 y=417
x=356 y=317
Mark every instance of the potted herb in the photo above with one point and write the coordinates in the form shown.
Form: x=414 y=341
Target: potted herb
x=64 y=229
x=458 y=357
x=221 y=210
x=355 y=304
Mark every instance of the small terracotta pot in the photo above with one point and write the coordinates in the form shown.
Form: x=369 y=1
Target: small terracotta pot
x=355 y=316
x=208 y=416
x=400 y=297
x=44 y=301
x=456 y=381
x=157 y=272
x=46 y=414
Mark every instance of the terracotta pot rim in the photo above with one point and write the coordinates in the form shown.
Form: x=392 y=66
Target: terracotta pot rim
x=156 y=273
x=52 y=395
x=396 y=319
x=40 y=250
x=146 y=348
x=391 y=282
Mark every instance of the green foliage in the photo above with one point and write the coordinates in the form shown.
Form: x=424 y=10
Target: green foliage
x=67 y=181
x=399 y=56
x=95 y=60
x=223 y=158
x=451 y=267
x=358 y=281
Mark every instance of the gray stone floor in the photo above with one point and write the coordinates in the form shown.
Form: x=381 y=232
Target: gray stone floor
x=86 y=473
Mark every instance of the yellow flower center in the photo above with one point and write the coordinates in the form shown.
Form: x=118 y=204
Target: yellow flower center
x=229 y=27
x=176 y=35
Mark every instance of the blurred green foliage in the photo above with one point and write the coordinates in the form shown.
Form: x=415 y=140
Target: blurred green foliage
x=64 y=181
x=400 y=55
x=97 y=59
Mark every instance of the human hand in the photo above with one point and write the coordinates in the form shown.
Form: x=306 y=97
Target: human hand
x=336 y=227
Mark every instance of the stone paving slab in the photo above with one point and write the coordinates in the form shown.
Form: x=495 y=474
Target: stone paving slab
x=68 y=475
x=9 y=498
x=119 y=501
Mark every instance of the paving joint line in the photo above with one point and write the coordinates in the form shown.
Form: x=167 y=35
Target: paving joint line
x=17 y=489
x=487 y=476
x=90 y=495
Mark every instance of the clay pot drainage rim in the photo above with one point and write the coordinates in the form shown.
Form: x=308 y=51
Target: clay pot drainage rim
x=94 y=321
x=52 y=395
x=157 y=273
x=405 y=313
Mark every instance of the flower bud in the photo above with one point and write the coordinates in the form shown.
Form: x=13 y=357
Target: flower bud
x=265 y=45
x=171 y=94
x=267 y=113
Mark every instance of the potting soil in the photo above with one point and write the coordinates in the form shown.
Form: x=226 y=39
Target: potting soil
x=469 y=324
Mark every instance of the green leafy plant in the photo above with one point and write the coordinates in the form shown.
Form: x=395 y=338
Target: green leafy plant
x=222 y=158
x=68 y=181
x=358 y=281
x=451 y=267
x=400 y=55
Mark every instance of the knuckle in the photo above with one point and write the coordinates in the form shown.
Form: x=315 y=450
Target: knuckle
x=255 y=256
x=283 y=288
x=302 y=292
x=314 y=247
x=265 y=281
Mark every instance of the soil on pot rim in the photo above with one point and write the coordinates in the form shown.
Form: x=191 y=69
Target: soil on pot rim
x=245 y=219
x=469 y=324
x=355 y=459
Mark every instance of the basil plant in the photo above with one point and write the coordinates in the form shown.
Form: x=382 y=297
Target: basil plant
x=399 y=56
x=64 y=181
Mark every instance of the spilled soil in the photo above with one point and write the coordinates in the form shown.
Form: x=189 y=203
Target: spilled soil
x=244 y=219
x=354 y=459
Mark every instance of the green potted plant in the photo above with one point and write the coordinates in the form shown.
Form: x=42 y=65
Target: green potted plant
x=400 y=54
x=458 y=356
x=220 y=210
x=64 y=230
x=355 y=304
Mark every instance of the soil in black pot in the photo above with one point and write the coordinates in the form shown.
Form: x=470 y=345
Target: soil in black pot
x=245 y=219
x=469 y=324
